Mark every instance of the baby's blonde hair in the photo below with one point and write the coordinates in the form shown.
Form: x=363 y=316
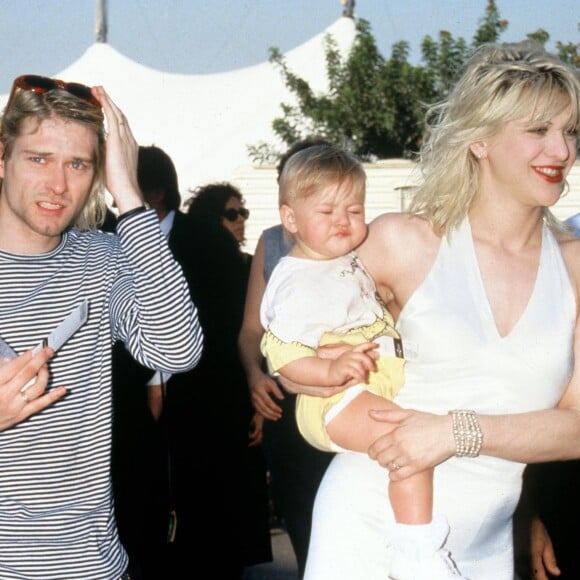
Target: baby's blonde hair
x=310 y=170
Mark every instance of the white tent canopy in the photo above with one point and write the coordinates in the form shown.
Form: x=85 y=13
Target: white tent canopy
x=204 y=122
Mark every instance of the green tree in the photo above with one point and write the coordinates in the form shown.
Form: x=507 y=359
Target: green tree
x=370 y=104
x=374 y=106
x=540 y=36
x=445 y=59
x=570 y=51
x=490 y=25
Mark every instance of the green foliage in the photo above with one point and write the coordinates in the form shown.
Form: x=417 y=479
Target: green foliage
x=540 y=36
x=375 y=107
x=490 y=26
x=570 y=52
x=444 y=61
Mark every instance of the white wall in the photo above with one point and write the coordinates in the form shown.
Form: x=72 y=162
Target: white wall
x=388 y=185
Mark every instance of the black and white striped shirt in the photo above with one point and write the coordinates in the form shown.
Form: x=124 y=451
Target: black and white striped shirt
x=56 y=510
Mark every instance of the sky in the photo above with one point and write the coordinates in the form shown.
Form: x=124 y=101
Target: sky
x=196 y=37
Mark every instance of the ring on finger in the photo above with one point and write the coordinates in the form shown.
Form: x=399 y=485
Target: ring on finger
x=24 y=396
x=394 y=466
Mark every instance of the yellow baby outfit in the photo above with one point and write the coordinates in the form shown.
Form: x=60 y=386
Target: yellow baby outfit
x=310 y=303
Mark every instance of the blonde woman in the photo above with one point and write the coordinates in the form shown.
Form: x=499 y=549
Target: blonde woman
x=482 y=277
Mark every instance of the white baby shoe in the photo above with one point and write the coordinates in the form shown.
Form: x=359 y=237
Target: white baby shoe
x=417 y=552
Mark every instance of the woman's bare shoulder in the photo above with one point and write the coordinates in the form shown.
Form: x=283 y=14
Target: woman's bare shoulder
x=399 y=229
x=398 y=252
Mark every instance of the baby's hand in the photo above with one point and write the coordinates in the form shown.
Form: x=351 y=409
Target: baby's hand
x=333 y=351
x=353 y=366
x=371 y=350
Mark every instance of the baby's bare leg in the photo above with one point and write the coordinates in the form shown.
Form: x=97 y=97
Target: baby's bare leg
x=353 y=428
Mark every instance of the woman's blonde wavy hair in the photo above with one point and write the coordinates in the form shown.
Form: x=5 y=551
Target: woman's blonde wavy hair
x=502 y=83
x=25 y=104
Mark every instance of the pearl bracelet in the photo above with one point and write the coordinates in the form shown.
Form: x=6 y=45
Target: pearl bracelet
x=467 y=433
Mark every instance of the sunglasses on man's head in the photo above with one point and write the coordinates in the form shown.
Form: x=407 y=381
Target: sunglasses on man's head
x=40 y=85
x=232 y=214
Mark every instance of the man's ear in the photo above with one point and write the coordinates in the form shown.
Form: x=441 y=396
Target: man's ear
x=288 y=218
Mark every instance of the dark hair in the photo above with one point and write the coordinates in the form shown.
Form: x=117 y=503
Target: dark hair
x=209 y=201
x=309 y=141
x=156 y=174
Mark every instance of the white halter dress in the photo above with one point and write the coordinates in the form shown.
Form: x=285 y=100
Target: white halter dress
x=462 y=363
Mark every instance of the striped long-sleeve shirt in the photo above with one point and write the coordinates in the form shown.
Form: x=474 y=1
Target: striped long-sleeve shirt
x=56 y=510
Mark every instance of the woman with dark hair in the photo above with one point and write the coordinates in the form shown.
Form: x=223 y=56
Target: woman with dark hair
x=224 y=203
x=219 y=472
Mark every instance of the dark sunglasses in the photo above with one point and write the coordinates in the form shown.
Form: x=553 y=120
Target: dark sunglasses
x=232 y=214
x=40 y=85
